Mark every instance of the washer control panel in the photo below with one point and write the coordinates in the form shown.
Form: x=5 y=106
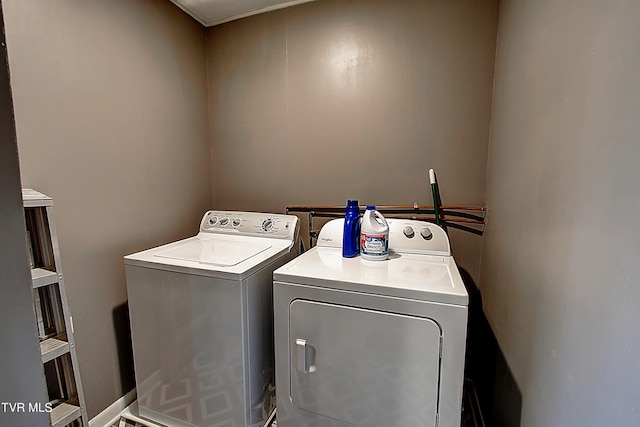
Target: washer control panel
x=251 y=224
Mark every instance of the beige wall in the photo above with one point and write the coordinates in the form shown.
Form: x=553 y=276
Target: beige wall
x=111 y=114
x=560 y=270
x=335 y=99
x=111 y=111
x=306 y=106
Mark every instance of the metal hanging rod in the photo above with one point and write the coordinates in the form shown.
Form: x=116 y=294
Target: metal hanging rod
x=465 y=218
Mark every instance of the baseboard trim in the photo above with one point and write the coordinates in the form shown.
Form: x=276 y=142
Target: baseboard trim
x=111 y=415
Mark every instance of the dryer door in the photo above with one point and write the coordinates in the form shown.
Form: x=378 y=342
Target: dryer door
x=364 y=367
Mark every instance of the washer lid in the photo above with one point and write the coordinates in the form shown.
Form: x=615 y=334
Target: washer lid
x=214 y=252
x=225 y=257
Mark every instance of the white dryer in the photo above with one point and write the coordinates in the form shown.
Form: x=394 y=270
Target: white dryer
x=201 y=320
x=371 y=343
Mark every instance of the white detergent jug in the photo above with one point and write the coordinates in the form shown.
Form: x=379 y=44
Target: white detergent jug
x=374 y=235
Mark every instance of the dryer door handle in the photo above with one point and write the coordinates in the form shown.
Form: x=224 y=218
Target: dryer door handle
x=305 y=355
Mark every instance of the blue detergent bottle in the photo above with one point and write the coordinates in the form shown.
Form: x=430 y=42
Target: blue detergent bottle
x=351 y=233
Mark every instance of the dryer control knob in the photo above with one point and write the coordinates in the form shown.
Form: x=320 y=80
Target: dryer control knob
x=236 y=222
x=426 y=233
x=224 y=221
x=213 y=220
x=408 y=232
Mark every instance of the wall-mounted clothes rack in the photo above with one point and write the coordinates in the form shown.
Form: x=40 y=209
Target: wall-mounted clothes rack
x=470 y=219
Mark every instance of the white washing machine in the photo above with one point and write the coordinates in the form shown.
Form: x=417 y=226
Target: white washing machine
x=201 y=320
x=371 y=343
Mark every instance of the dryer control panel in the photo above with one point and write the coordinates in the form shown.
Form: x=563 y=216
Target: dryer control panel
x=405 y=236
x=259 y=224
x=419 y=237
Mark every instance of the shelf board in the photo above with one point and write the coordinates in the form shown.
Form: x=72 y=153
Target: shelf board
x=41 y=277
x=52 y=348
x=34 y=199
x=63 y=414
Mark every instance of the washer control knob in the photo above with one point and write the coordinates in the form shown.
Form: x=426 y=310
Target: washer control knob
x=236 y=222
x=224 y=221
x=213 y=220
x=408 y=232
x=426 y=233
x=267 y=224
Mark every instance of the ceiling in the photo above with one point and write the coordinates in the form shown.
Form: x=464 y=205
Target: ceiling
x=214 y=12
